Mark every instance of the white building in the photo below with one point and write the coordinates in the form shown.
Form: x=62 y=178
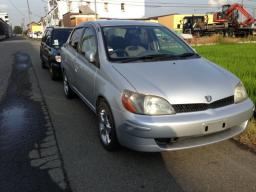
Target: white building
x=56 y=10
x=4 y=17
x=109 y=9
x=112 y=9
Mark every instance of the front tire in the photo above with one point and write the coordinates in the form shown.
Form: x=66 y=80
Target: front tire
x=54 y=74
x=43 y=64
x=69 y=93
x=107 y=132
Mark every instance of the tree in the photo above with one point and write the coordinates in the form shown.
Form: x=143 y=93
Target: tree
x=17 y=30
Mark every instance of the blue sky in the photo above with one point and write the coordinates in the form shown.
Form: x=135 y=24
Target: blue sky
x=17 y=9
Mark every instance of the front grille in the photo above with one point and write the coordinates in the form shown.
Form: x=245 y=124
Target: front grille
x=185 y=108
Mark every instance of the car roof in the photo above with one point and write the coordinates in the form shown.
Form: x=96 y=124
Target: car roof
x=108 y=23
x=59 y=28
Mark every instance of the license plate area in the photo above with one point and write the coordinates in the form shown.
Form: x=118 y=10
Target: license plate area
x=212 y=127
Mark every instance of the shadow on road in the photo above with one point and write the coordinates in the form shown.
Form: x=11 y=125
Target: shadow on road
x=22 y=127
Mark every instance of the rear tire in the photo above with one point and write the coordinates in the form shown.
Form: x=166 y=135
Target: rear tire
x=69 y=93
x=106 y=127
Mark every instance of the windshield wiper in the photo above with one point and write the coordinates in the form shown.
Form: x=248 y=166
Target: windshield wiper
x=149 y=57
x=184 y=55
x=155 y=57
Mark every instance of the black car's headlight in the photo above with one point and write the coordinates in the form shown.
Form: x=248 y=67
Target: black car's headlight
x=240 y=93
x=58 y=58
x=146 y=104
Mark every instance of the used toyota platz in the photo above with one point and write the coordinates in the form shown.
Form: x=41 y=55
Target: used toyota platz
x=149 y=89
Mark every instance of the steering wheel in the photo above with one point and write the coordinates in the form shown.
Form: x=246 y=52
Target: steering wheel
x=135 y=50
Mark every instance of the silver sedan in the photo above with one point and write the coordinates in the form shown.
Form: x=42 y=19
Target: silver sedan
x=150 y=90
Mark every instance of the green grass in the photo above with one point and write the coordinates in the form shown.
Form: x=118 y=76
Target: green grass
x=240 y=59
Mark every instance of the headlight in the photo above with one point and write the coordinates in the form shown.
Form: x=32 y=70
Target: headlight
x=146 y=104
x=240 y=93
x=58 y=58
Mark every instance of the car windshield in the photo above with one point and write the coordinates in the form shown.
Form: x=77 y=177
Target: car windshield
x=144 y=43
x=60 y=37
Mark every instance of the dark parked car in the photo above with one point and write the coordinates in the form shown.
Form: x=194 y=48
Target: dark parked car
x=52 y=41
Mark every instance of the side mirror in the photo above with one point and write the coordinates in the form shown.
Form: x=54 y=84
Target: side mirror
x=92 y=57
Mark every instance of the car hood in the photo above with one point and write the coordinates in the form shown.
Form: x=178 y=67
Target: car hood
x=181 y=81
x=55 y=51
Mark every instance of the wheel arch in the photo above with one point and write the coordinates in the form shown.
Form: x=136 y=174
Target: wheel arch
x=99 y=99
x=102 y=98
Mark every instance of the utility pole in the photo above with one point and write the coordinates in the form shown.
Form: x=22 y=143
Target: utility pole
x=45 y=10
x=23 y=24
x=95 y=10
x=29 y=13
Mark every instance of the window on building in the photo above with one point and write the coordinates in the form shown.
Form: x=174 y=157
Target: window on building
x=106 y=7
x=122 y=7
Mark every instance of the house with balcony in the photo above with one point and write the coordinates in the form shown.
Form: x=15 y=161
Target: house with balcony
x=56 y=10
x=76 y=11
x=114 y=9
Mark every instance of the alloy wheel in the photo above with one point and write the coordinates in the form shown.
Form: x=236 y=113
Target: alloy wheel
x=105 y=127
x=66 y=86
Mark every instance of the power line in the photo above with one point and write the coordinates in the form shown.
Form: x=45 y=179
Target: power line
x=21 y=13
x=39 y=16
x=133 y=3
x=157 y=4
x=167 y=5
x=14 y=6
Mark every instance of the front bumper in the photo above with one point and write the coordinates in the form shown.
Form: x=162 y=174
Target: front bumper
x=184 y=130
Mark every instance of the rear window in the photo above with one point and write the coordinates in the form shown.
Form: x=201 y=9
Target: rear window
x=60 y=37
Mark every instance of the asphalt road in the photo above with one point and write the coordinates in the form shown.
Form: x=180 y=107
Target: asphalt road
x=63 y=152
x=30 y=160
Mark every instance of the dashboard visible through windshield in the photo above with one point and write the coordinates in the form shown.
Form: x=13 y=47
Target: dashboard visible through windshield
x=144 y=43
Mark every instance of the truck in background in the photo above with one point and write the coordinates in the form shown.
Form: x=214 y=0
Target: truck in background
x=233 y=20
